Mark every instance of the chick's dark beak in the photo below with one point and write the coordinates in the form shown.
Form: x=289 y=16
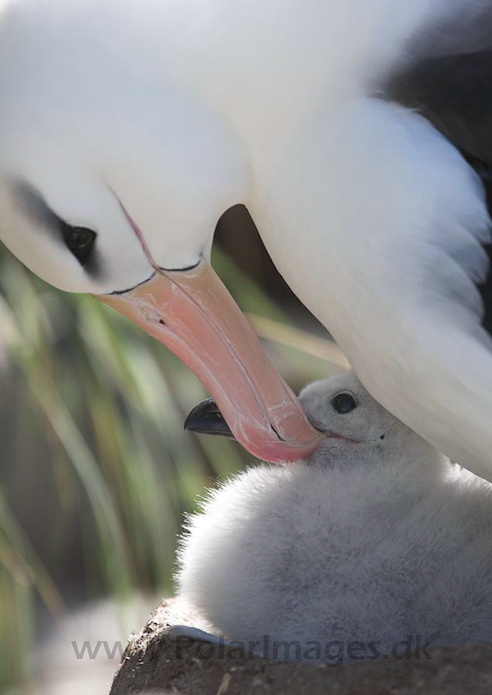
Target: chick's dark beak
x=206 y=418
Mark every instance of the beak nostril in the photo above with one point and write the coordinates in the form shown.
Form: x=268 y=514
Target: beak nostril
x=163 y=323
x=275 y=431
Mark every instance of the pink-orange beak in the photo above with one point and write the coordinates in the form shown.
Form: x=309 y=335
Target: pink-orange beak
x=194 y=315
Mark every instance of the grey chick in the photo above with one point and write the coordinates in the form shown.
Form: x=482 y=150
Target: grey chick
x=375 y=540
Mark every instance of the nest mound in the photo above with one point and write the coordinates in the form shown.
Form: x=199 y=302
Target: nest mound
x=156 y=662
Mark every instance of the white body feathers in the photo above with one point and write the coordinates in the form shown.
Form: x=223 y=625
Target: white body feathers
x=184 y=108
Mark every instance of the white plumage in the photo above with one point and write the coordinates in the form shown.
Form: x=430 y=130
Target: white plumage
x=357 y=133
x=374 y=538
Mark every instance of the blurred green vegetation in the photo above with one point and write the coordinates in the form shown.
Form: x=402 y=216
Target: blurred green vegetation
x=95 y=469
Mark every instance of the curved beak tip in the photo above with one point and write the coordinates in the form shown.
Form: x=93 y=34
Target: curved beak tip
x=206 y=418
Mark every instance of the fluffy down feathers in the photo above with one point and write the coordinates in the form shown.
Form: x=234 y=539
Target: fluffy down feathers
x=370 y=541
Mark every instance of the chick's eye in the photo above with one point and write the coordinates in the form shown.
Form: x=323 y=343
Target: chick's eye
x=344 y=403
x=80 y=241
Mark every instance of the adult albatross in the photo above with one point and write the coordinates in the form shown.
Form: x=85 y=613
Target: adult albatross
x=356 y=133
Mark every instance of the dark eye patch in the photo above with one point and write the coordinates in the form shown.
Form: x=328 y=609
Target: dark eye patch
x=80 y=241
x=33 y=205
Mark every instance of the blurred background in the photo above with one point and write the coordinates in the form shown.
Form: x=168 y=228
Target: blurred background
x=96 y=471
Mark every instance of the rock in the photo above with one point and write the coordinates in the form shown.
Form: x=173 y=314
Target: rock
x=159 y=663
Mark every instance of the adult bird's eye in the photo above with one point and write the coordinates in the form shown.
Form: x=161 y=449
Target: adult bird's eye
x=344 y=403
x=80 y=241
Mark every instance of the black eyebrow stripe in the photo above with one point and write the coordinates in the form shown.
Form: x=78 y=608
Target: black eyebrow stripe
x=35 y=207
x=33 y=204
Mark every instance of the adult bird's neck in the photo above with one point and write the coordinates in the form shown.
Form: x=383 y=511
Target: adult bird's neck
x=279 y=73
x=264 y=66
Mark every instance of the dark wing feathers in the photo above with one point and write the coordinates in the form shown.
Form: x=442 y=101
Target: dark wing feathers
x=446 y=75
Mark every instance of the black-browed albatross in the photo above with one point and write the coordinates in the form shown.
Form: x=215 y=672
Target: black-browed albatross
x=357 y=133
